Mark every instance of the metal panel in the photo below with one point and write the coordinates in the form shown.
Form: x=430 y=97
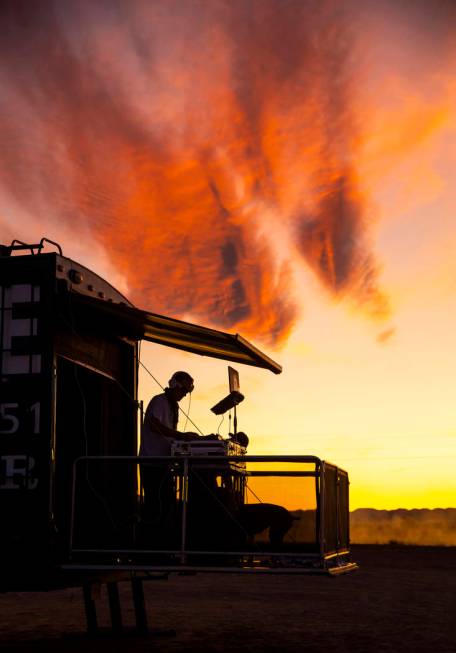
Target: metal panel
x=330 y=509
x=25 y=411
x=343 y=512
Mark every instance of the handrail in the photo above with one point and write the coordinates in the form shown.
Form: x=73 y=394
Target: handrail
x=247 y=458
x=17 y=245
x=182 y=466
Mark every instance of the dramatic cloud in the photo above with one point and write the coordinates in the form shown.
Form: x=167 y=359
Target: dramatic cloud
x=185 y=136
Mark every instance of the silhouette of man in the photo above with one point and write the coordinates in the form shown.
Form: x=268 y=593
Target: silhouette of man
x=162 y=415
x=158 y=432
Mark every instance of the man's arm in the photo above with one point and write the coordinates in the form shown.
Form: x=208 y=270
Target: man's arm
x=172 y=433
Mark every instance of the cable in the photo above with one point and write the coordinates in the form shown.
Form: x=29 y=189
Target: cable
x=252 y=492
x=221 y=422
x=150 y=374
x=181 y=410
x=188 y=409
x=214 y=496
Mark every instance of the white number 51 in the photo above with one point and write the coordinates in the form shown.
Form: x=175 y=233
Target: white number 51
x=5 y=416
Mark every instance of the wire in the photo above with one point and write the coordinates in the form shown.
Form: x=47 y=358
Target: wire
x=221 y=422
x=221 y=504
x=252 y=492
x=160 y=385
x=188 y=409
x=151 y=375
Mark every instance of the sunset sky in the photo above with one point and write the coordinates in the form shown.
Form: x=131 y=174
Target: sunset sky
x=281 y=169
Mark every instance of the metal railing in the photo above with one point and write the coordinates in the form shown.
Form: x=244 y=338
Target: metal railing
x=197 y=511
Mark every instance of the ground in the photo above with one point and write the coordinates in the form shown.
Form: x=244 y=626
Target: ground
x=402 y=599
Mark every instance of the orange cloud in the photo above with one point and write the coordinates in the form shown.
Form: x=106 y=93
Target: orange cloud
x=174 y=131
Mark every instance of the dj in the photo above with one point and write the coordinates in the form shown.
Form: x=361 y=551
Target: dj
x=157 y=434
x=162 y=414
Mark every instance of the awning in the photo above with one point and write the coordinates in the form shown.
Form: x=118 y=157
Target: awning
x=142 y=325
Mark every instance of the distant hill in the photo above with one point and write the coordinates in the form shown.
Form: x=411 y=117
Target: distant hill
x=426 y=527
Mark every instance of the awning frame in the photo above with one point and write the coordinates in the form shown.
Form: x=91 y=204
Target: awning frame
x=142 y=325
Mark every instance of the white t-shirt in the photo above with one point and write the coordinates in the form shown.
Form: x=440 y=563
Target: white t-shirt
x=154 y=443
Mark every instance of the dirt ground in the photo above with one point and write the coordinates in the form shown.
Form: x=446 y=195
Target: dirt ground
x=401 y=599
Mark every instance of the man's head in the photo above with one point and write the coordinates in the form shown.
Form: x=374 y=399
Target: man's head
x=181 y=383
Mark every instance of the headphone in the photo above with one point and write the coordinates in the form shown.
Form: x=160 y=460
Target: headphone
x=181 y=380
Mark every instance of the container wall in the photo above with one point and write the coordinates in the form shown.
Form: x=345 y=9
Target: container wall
x=26 y=390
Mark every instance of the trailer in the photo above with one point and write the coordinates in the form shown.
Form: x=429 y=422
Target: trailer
x=70 y=493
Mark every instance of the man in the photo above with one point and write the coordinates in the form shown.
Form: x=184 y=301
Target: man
x=162 y=415
x=157 y=434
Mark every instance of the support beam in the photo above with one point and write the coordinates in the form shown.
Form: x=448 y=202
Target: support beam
x=139 y=604
x=90 y=609
x=114 y=606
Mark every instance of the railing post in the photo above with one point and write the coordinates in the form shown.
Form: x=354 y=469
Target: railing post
x=322 y=534
x=184 y=511
x=338 y=509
